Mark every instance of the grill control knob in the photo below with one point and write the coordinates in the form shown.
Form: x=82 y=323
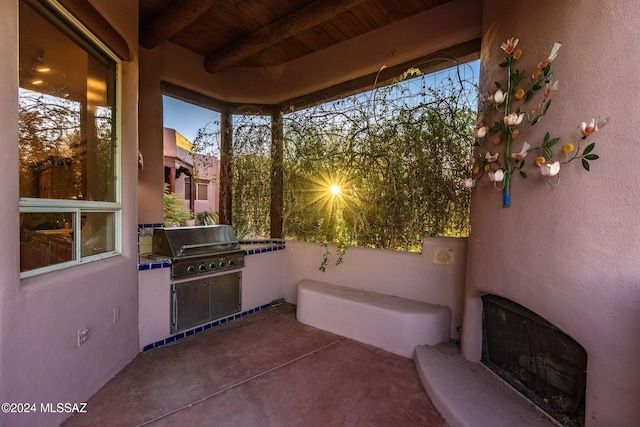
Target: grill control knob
x=232 y=262
x=202 y=267
x=191 y=269
x=221 y=264
x=212 y=266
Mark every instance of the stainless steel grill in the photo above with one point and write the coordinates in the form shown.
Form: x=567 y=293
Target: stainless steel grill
x=198 y=250
x=206 y=283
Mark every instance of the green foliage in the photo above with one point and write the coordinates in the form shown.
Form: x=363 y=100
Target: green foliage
x=398 y=155
x=207 y=217
x=251 y=175
x=174 y=212
x=587 y=156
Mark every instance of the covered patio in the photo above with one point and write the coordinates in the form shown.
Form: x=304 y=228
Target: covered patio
x=265 y=369
x=567 y=253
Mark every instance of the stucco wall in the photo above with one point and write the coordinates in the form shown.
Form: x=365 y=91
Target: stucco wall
x=40 y=361
x=570 y=253
x=151 y=178
x=262 y=278
x=422 y=277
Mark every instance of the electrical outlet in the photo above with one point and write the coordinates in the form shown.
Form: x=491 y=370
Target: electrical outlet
x=83 y=336
x=116 y=314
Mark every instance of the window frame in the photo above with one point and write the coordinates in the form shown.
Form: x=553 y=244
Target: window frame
x=204 y=183
x=54 y=11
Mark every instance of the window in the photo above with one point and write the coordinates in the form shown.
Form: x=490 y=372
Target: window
x=69 y=197
x=187 y=188
x=203 y=191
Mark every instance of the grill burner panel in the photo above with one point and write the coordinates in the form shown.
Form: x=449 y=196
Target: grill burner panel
x=196 y=251
x=187 y=267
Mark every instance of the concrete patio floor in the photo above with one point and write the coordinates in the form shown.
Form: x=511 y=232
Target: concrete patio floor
x=265 y=369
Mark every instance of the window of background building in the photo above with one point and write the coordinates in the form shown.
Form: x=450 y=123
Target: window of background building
x=69 y=198
x=203 y=193
x=187 y=188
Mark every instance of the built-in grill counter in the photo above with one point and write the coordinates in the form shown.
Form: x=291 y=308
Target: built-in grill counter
x=206 y=281
x=191 y=279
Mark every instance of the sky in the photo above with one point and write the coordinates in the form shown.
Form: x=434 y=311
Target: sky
x=186 y=118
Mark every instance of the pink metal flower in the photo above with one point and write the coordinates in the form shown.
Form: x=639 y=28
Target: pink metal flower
x=549 y=87
x=552 y=55
x=469 y=183
x=498 y=97
x=491 y=157
x=510 y=45
x=480 y=131
x=552 y=169
x=593 y=126
x=496 y=176
x=513 y=119
x=522 y=153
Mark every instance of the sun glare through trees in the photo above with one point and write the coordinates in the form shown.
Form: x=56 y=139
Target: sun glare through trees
x=380 y=169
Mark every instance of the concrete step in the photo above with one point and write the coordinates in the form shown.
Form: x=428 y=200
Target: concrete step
x=468 y=394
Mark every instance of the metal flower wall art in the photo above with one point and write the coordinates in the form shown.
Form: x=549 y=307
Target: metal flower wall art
x=520 y=102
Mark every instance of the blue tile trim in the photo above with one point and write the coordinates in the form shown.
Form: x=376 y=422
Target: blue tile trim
x=274 y=245
x=145 y=230
x=154 y=265
x=202 y=328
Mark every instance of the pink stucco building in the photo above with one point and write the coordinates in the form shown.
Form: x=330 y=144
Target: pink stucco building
x=192 y=176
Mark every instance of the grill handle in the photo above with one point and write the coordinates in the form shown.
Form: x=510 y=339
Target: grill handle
x=199 y=245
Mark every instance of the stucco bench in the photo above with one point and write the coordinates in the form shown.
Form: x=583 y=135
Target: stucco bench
x=392 y=323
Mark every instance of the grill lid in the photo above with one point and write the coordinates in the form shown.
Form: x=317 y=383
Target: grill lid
x=182 y=242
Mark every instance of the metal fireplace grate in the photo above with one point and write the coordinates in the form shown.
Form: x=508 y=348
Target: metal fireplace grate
x=536 y=358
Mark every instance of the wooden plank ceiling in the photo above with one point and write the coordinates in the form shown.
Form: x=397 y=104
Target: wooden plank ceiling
x=266 y=33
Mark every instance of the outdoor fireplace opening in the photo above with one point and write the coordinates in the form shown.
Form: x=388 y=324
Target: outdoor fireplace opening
x=536 y=358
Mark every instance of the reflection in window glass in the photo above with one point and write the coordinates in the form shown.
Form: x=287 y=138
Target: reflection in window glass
x=46 y=238
x=67 y=142
x=66 y=101
x=97 y=232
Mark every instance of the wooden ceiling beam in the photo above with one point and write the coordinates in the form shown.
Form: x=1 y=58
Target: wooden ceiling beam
x=173 y=20
x=290 y=25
